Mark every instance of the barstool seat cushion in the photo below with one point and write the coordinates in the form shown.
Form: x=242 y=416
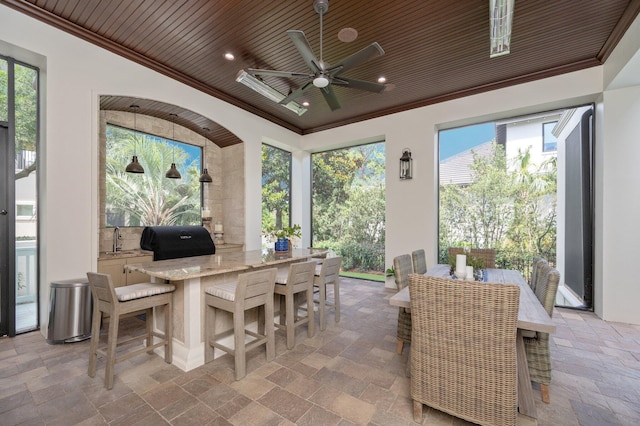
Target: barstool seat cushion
x=226 y=291
x=282 y=276
x=137 y=291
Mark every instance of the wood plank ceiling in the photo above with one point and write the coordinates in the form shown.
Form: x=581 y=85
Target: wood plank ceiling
x=434 y=50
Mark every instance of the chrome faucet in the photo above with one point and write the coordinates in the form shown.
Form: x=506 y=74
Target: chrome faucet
x=116 y=237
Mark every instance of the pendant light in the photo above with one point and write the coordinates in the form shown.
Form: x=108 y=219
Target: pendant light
x=173 y=172
x=134 y=166
x=205 y=177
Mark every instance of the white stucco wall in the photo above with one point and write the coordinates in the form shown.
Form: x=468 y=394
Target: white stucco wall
x=620 y=292
x=77 y=73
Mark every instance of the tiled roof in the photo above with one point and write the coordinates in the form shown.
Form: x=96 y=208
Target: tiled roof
x=457 y=168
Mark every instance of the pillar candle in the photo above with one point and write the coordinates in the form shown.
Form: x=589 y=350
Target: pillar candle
x=461 y=263
x=469 y=275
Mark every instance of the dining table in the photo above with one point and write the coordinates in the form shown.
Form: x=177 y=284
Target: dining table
x=531 y=316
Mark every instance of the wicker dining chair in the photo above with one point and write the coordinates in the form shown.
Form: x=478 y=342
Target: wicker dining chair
x=463 y=349
x=401 y=269
x=419 y=259
x=488 y=255
x=537 y=263
x=537 y=345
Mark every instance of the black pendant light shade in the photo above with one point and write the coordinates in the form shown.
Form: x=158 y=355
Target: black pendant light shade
x=205 y=177
x=173 y=172
x=134 y=166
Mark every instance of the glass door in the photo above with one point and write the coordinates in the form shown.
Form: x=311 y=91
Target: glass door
x=19 y=85
x=7 y=308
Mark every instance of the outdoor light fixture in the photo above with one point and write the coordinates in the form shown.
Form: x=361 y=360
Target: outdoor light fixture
x=267 y=91
x=173 y=172
x=406 y=164
x=134 y=166
x=500 y=19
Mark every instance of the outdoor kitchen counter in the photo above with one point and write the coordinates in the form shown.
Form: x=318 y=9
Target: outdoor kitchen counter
x=191 y=275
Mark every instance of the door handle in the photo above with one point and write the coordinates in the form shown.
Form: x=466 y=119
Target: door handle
x=3 y=212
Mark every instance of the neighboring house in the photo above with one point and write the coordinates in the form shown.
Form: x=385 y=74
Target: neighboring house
x=516 y=135
x=25 y=197
x=456 y=169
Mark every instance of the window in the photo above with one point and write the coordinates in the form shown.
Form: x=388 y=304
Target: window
x=276 y=188
x=25 y=211
x=549 y=141
x=499 y=188
x=150 y=198
x=348 y=206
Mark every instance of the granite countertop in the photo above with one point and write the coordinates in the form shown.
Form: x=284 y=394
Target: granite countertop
x=122 y=254
x=200 y=266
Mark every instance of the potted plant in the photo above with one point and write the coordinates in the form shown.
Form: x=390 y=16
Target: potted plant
x=283 y=236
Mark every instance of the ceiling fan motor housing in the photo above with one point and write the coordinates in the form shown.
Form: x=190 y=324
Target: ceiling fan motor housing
x=321 y=6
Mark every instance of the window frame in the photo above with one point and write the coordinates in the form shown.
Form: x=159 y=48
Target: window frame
x=544 y=143
x=157 y=139
x=289 y=183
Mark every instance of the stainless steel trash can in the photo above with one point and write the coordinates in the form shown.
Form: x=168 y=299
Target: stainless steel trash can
x=70 y=311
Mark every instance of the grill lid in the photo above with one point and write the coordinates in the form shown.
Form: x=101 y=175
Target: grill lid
x=172 y=242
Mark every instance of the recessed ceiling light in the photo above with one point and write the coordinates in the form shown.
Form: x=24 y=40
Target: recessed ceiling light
x=305 y=104
x=382 y=79
x=229 y=56
x=347 y=35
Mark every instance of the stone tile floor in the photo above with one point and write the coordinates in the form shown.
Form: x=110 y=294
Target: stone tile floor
x=348 y=374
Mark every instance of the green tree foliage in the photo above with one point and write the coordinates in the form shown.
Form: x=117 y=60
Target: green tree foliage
x=512 y=209
x=26 y=107
x=533 y=229
x=348 y=199
x=149 y=198
x=276 y=187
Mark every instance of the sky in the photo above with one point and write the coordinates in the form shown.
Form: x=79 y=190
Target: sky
x=454 y=141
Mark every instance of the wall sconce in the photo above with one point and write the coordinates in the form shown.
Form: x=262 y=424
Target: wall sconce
x=406 y=164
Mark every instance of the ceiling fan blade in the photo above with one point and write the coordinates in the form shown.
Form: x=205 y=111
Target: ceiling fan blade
x=330 y=97
x=359 y=84
x=301 y=43
x=296 y=93
x=256 y=72
x=358 y=58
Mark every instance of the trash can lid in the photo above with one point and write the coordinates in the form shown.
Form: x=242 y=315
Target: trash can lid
x=75 y=282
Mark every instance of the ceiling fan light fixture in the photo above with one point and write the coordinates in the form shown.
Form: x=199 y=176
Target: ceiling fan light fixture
x=267 y=91
x=321 y=81
x=500 y=19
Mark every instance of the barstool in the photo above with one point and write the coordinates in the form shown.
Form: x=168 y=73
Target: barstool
x=328 y=273
x=118 y=301
x=299 y=279
x=253 y=289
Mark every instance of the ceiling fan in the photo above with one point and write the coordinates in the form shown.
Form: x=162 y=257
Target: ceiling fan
x=323 y=75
